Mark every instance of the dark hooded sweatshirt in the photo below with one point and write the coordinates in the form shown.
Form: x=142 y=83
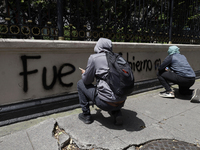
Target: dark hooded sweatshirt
x=179 y=64
x=97 y=66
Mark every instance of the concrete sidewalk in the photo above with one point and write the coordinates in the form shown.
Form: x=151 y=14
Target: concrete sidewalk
x=147 y=117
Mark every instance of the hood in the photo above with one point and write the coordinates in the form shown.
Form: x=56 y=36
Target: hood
x=102 y=45
x=173 y=50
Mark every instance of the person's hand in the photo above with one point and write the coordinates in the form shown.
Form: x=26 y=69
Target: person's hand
x=82 y=70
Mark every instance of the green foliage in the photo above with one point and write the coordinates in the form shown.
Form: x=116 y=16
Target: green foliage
x=116 y=17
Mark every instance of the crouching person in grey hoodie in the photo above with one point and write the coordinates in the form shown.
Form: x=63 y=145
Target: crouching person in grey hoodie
x=101 y=94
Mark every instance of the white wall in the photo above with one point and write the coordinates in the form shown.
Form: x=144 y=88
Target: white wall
x=66 y=57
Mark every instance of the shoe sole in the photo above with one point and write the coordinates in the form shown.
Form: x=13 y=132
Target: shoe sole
x=196 y=96
x=166 y=96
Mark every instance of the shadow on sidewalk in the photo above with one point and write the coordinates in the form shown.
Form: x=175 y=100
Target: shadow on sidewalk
x=130 y=120
x=180 y=96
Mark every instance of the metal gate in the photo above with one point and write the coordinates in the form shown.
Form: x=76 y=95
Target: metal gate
x=160 y=21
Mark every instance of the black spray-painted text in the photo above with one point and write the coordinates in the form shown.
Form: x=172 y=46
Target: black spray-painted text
x=57 y=75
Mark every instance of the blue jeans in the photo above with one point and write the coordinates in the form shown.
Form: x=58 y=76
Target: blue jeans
x=88 y=93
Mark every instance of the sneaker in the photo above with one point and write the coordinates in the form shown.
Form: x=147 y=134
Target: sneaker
x=167 y=94
x=87 y=119
x=118 y=119
x=196 y=96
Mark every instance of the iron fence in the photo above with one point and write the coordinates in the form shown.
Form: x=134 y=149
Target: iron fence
x=161 y=21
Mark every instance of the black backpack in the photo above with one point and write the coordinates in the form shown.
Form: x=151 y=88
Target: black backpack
x=120 y=76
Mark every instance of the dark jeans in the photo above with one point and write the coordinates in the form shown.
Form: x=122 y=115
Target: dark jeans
x=184 y=83
x=87 y=93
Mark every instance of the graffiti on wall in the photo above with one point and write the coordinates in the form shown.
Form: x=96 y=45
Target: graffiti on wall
x=143 y=65
x=57 y=74
x=140 y=65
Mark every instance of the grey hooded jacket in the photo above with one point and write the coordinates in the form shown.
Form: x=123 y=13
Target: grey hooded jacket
x=97 y=66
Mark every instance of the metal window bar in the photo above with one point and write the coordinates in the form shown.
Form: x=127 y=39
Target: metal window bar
x=120 y=20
